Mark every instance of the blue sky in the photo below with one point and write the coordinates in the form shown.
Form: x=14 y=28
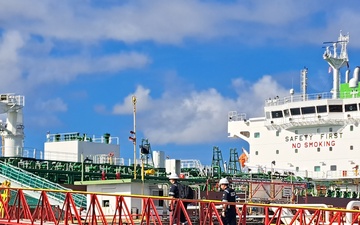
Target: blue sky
x=188 y=62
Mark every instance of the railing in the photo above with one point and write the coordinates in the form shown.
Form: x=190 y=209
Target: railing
x=297 y=98
x=18 y=100
x=76 y=136
x=235 y=116
x=120 y=209
x=308 y=97
x=32 y=181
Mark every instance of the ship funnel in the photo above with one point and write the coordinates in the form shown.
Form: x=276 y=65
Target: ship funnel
x=353 y=83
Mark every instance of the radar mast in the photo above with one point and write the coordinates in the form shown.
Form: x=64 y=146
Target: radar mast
x=336 y=60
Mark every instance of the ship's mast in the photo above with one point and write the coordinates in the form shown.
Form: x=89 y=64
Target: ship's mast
x=303 y=84
x=337 y=60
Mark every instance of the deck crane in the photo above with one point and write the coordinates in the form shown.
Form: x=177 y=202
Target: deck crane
x=12 y=131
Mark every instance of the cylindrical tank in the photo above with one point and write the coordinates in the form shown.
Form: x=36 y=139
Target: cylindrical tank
x=173 y=166
x=13 y=140
x=159 y=159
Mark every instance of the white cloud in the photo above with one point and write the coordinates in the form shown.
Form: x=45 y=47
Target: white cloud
x=252 y=96
x=29 y=68
x=195 y=118
x=52 y=105
x=44 y=120
x=11 y=43
x=32 y=30
x=198 y=116
x=165 y=21
x=10 y=74
x=64 y=70
x=143 y=102
x=46 y=113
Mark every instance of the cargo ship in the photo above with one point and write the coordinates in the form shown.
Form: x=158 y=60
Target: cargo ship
x=312 y=135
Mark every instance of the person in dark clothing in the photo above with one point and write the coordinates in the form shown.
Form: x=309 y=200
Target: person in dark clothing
x=174 y=193
x=228 y=213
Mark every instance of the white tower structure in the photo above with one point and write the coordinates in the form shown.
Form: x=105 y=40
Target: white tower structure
x=12 y=131
x=336 y=60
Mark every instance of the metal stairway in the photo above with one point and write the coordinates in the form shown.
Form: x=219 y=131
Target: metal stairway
x=21 y=178
x=217 y=162
x=233 y=162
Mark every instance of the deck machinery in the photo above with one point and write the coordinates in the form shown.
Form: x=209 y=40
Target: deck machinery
x=12 y=130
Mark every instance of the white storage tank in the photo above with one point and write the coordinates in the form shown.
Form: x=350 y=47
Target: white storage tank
x=173 y=166
x=159 y=159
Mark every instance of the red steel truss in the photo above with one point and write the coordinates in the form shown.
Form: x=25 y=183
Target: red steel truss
x=16 y=210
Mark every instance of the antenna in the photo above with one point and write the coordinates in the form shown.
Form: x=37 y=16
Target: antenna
x=303 y=82
x=332 y=42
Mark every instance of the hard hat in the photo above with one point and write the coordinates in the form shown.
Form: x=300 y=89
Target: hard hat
x=223 y=181
x=173 y=176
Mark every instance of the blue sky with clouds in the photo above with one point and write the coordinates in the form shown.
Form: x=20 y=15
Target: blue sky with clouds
x=188 y=62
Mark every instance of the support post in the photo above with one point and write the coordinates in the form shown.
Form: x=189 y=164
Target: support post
x=134 y=140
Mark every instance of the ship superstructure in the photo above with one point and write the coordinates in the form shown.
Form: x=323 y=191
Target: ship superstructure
x=312 y=135
x=12 y=130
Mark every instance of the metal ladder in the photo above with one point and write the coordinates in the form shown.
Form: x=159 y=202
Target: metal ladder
x=31 y=180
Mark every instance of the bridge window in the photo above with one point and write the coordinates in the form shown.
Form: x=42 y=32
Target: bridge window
x=308 y=110
x=286 y=113
x=330 y=149
x=277 y=152
x=276 y=114
x=256 y=153
x=106 y=203
x=351 y=147
x=295 y=111
x=350 y=107
x=317 y=130
x=317 y=168
x=335 y=108
x=245 y=133
x=330 y=129
x=277 y=133
x=351 y=128
x=318 y=149
x=333 y=167
x=321 y=109
x=296 y=131
x=296 y=150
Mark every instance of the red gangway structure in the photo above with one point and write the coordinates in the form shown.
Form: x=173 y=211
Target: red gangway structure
x=15 y=208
